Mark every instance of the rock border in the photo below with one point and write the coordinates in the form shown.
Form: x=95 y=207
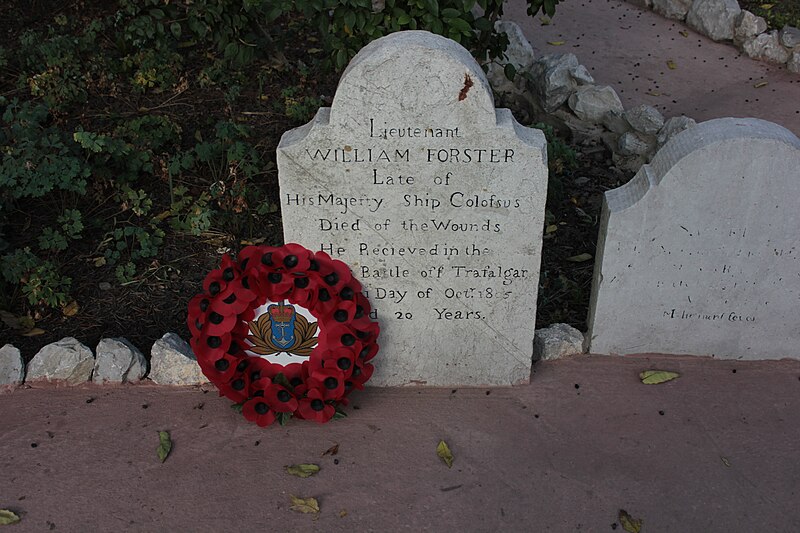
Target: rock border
x=725 y=20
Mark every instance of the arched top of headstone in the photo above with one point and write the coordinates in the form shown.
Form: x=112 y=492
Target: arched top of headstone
x=687 y=142
x=414 y=75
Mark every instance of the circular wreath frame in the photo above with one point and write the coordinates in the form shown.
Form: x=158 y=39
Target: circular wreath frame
x=313 y=389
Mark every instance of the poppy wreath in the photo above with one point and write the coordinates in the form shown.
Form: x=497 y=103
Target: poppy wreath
x=224 y=328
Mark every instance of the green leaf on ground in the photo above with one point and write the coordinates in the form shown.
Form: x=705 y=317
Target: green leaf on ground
x=628 y=523
x=304 y=505
x=654 y=377
x=164 y=445
x=7 y=517
x=444 y=453
x=302 y=470
x=237 y=407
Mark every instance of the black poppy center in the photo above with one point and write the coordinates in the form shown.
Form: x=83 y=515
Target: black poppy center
x=301 y=283
x=348 y=339
x=347 y=293
x=284 y=396
x=290 y=261
x=198 y=324
x=340 y=315
x=255 y=376
x=317 y=405
x=343 y=363
x=238 y=384
x=242 y=365
x=222 y=365
x=215 y=318
x=214 y=288
x=331 y=383
x=227 y=274
x=204 y=305
x=261 y=408
x=230 y=299
x=364 y=352
x=266 y=259
x=296 y=382
x=214 y=342
x=313 y=266
x=274 y=277
x=332 y=278
x=356 y=371
x=246 y=283
x=323 y=295
x=359 y=311
x=234 y=348
x=243 y=265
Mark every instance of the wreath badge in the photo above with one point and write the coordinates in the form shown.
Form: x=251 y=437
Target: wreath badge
x=283 y=332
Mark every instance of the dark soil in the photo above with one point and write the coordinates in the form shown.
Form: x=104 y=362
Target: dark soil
x=155 y=301
x=778 y=13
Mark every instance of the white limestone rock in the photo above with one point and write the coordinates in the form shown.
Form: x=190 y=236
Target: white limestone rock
x=746 y=26
x=628 y=163
x=519 y=53
x=644 y=119
x=579 y=129
x=591 y=102
x=635 y=143
x=556 y=77
x=172 y=362
x=118 y=361
x=66 y=361
x=672 y=127
x=615 y=122
x=672 y=9
x=556 y=342
x=12 y=367
x=790 y=37
x=714 y=18
x=794 y=62
x=767 y=47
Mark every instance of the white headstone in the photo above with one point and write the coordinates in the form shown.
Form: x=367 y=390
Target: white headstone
x=700 y=252
x=436 y=201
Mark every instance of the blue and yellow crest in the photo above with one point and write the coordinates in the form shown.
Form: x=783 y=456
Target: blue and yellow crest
x=282 y=329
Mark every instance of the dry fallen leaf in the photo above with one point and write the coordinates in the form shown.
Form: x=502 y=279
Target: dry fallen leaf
x=766 y=6
x=71 y=309
x=302 y=470
x=304 y=505
x=761 y=84
x=99 y=261
x=580 y=258
x=653 y=93
x=725 y=461
x=550 y=229
x=556 y=43
x=33 y=332
x=654 y=377
x=544 y=21
x=7 y=517
x=444 y=453
x=342 y=513
x=684 y=33
x=164 y=445
x=672 y=65
x=333 y=450
x=628 y=523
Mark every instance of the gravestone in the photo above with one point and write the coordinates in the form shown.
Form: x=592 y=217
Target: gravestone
x=700 y=252
x=436 y=201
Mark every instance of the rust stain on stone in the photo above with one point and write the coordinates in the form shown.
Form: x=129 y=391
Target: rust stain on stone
x=464 y=90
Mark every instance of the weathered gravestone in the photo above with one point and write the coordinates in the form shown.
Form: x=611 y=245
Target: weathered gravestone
x=700 y=253
x=436 y=201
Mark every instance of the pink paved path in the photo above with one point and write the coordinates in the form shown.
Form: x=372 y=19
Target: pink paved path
x=564 y=453
x=628 y=48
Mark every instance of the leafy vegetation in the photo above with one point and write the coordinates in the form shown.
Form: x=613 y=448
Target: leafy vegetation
x=777 y=14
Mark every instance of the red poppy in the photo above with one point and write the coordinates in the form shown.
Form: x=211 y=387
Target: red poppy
x=238 y=388
x=337 y=357
x=219 y=370
x=292 y=257
x=313 y=407
x=280 y=399
x=329 y=381
x=258 y=411
x=335 y=275
x=232 y=300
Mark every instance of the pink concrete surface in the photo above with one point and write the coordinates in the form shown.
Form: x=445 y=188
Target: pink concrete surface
x=628 y=48
x=715 y=450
